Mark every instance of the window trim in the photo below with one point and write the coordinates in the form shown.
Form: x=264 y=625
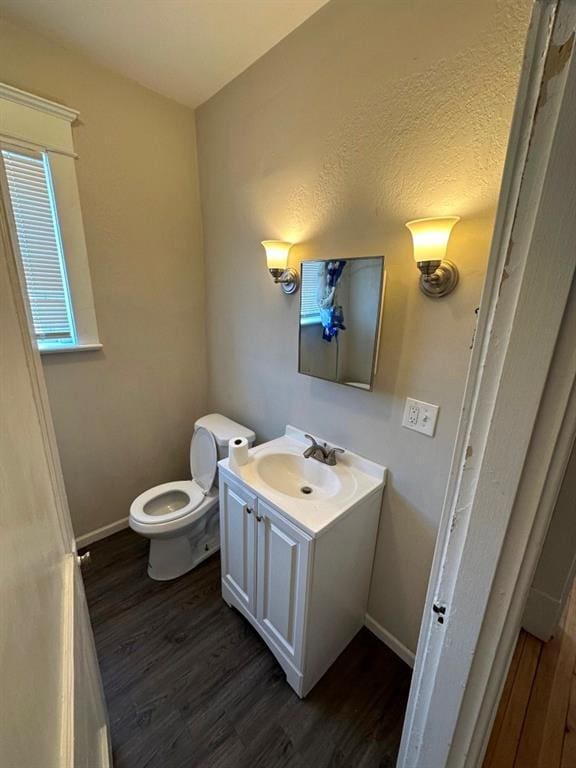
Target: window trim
x=31 y=123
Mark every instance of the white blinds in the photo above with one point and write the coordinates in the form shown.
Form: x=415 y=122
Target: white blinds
x=309 y=310
x=33 y=206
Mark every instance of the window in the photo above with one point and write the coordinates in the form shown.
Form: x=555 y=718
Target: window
x=309 y=309
x=38 y=180
x=38 y=230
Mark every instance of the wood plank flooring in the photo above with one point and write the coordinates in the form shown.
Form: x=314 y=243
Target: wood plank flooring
x=189 y=683
x=535 y=726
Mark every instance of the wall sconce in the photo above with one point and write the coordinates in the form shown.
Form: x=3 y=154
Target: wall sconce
x=277 y=258
x=439 y=276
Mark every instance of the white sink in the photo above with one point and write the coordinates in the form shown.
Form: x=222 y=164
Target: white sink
x=305 y=479
x=313 y=494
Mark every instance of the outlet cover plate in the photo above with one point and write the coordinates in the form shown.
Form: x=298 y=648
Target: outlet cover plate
x=420 y=416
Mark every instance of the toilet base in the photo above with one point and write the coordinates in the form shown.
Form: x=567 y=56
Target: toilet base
x=170 y=558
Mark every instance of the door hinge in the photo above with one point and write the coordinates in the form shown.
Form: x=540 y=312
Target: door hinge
x=440 y=611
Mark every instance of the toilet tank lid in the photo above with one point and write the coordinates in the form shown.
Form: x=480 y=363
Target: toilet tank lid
x=224 y=429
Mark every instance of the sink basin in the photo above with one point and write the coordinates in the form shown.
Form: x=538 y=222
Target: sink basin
x=302 y=478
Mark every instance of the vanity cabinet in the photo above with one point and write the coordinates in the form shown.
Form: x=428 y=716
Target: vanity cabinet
x=306 y=595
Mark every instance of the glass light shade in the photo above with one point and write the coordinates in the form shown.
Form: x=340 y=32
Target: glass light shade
x=276 y=253
x=430 y=237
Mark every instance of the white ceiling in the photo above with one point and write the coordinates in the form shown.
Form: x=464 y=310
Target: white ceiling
x=184 y=49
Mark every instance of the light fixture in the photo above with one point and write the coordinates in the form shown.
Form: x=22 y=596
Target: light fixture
x=277 y=257
x=439 y=276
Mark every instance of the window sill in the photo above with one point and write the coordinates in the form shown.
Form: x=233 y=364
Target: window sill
x=71 y=348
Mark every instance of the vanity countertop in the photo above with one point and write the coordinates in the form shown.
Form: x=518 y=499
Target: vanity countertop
x=310 y=493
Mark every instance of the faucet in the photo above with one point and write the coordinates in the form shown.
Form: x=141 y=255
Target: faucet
x=321 y=453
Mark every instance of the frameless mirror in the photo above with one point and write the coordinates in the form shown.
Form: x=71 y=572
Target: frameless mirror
x=340 y=308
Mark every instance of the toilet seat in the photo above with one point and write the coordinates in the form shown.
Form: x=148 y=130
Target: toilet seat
x=171 y=523
x=171 y=505
x=167 y=502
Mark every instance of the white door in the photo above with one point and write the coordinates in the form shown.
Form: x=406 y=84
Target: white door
x=238 y=542
x=49 y=677
x=282 y=573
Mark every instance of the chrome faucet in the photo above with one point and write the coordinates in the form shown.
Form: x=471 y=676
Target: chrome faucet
x=321 y=453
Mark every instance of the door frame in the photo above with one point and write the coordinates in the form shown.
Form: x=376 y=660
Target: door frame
x=517 y=423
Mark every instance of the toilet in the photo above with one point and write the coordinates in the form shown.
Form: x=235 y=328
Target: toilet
x=181 y=518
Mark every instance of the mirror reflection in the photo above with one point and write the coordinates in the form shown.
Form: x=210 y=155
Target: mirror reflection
x=340 y=309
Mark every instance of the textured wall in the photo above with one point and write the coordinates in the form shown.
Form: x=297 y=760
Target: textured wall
x=124 y=416
x=368 y=115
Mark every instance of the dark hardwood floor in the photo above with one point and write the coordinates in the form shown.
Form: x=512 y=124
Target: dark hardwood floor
x=189 y=683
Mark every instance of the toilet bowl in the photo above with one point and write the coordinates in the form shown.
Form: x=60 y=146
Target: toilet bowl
x=181 y=518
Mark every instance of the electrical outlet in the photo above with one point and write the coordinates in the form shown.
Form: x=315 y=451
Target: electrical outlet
x=420 y=416
x=413 y=414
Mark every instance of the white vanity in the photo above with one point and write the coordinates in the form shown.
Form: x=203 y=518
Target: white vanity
x=297 y=545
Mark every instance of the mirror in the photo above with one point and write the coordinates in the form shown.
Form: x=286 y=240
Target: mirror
x=340 y=308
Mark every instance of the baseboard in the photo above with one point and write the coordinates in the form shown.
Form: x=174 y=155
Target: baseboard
x=388 y=639
x=101 y=533
x=541 y=614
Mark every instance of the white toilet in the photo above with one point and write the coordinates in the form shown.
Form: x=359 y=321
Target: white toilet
x=181 y=518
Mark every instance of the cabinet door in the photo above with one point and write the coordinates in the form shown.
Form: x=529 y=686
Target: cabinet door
x=238 y=541
x=282 y=580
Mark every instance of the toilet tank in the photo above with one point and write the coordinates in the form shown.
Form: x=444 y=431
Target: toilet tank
x=224 y=429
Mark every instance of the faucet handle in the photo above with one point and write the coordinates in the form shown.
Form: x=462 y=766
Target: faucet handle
x=314 y=443
x=331 y=455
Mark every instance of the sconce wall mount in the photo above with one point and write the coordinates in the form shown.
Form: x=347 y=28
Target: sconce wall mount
x=438 y=275
x=437 y=278
x=288 y=278
x=277 y=258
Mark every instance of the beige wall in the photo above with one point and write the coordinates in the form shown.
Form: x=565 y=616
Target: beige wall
x=124 y=416
x=368 y=115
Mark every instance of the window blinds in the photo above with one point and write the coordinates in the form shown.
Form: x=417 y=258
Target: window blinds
x=309 y=310
x=37 y=228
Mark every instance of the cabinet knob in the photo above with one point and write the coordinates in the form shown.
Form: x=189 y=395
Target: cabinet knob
x=249 y=510
x=259 y=518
